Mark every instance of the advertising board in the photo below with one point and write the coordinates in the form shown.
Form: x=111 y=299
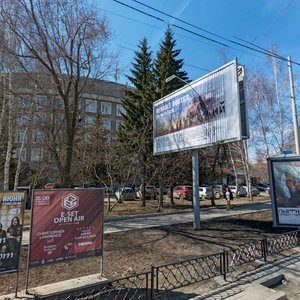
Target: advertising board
x=65 y=225
x=11 y=227
x=203 y=112
x=284 y=175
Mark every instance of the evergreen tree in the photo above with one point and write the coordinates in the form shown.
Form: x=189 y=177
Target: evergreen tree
x=168 y=63
x=136 y=129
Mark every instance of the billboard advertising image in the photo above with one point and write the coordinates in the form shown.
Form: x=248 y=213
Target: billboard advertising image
x=11 y=220
x=66 y=224
x=203 y=112
x=285 y=190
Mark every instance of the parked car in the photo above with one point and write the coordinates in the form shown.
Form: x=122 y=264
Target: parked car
x=125 y=193
x=218 y=190
x=50 y=185
x=205 y=192
x=150 y=191
x=255 y=191
x=241 y=191
x=261 y=187
x=183 y=192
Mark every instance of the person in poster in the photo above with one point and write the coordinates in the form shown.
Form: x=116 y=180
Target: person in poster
x=286 y=181
x=3 y=239
x=14 y=233
x=11 y=218
x=288 y=191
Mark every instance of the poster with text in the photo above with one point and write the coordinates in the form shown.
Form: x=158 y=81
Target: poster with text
x=285 y=174
x=203 y=112
x=11 y=227
x=66 y=224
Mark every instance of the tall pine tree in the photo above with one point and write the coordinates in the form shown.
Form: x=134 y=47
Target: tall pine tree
x=168 y=63
x=136 y=130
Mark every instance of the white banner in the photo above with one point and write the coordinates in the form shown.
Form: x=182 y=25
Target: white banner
x=202 y=113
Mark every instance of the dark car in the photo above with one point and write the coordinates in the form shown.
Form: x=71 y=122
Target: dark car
x=261 y=187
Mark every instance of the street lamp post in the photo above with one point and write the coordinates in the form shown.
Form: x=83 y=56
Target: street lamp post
x=294 y=108
x=195 y=170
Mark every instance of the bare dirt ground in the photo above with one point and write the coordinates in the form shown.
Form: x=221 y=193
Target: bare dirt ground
x=128 y=253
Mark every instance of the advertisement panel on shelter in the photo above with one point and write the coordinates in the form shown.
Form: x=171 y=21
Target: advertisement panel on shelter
x=11 y=227
x=203 y=112
x=285 y=190
x=66 y=224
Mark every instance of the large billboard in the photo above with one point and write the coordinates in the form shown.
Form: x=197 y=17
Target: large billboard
x=66 y=224
x=11 y=227
x=203 y=112
x=285 y=190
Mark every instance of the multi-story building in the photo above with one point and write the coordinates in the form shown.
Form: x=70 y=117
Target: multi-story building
x=38 y=109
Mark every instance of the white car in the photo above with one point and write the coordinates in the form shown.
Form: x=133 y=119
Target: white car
x=125 y=193
x=241 y=191
x=205 y=192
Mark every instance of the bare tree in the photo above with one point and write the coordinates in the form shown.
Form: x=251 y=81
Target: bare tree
x=66 y=41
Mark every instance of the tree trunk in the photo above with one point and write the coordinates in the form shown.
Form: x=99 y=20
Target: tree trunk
x=9 y=138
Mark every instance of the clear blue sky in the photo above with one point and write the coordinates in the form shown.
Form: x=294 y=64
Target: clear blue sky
x=261 y=22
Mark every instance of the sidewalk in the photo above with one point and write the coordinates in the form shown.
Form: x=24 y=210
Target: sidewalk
x=279 y=280
x=133 y=222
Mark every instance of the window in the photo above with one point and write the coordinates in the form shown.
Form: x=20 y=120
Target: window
x=89 y=120
x=91 y=106
x=39 y=137
x=22 y=119
x=25 y=102
x=21 y=154
x=36 y=154
x=107 y=124
x=21 y=137
x=120 y=110
x=106 y=108
x=40 y=116
x=41 y=101
x=58 y=103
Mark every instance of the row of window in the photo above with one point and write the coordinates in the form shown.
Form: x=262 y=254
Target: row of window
x=38 y=136
x=89 y=106
x=89 y=120
x=36 y=154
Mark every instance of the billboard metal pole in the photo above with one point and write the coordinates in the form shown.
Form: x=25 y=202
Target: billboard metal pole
x=196 y=205
x=294 y=108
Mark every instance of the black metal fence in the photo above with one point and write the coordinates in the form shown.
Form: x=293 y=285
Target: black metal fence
x=163 y=279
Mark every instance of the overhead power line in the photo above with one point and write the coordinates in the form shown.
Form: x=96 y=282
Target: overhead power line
x=164 y=21
x=258 y=50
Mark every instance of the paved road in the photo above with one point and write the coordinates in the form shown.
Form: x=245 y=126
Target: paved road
x=125 y=223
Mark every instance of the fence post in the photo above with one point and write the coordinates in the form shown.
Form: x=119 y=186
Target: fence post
x=224 y=260
x=152 y=283
x=264 y=249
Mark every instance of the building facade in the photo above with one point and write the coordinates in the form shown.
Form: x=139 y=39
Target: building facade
x=36 y=111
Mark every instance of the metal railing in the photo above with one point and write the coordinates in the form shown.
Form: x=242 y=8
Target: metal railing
x=163 y=279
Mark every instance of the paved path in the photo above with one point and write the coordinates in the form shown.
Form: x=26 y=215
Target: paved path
x=125 y=223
